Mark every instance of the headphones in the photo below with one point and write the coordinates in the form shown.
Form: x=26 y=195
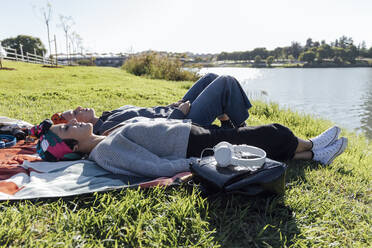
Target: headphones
x=7 y=141
x=239 y=155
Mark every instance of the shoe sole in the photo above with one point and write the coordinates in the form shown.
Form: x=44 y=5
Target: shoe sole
x=339 y=152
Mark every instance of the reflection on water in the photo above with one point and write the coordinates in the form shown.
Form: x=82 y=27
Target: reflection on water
x=366 y=116
x=342 y=95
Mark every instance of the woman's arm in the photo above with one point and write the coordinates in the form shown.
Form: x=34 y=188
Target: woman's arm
x=126 y=157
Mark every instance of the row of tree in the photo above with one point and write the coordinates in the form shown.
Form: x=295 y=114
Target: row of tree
x=72 y=38
x=339 y=51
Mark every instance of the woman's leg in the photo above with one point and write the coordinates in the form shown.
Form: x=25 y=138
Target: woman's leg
x=276 y=140
x=303 y=145
x=303 y=150
x=323 y=148
x=307 y=155
x=198 y=87
x=223 y=96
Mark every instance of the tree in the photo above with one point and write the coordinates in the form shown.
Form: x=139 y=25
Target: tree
x=354 y=53
x=66 y=24
x=29 y=44
x=261 y=51
x=350 y=54
x=321 y=54
x=295 y=49
x=337 y=60
x=308 y=56
x=76 y=42
x=342 y=48
x=222 y=56
x=286 y=51
x=257 y=59
x=47 y=15
x=346 y=54
x=269 y=60
x=345 y=41
x=309 y=43
x=291 y=58
x=277 y=52
x=335 y=44
x=369 y=54
x=79 y=43
x=328 y=53
x=362 y=49
x=338 y=52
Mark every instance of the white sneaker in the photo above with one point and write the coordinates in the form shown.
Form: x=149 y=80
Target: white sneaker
x=327 y=154
x=325 y=138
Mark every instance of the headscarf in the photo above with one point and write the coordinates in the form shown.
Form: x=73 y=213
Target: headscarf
x=57 y=118
x=50 y=146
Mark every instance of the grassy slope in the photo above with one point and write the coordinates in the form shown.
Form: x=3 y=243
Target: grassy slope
x=323 y=206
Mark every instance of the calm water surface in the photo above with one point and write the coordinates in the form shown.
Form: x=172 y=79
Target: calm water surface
x=342 y=95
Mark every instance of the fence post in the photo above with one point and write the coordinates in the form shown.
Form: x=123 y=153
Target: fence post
x=69 y=52
x=43 y=58
x=35 y=56
x=20 y=45
x=15 y=54
x=55 y=45
x=28 y=59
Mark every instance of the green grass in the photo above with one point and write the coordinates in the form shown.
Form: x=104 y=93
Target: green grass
x=324 y=206
x=32 y=92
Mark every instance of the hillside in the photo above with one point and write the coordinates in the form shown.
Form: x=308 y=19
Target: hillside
x=322 y=207
x=32 y=92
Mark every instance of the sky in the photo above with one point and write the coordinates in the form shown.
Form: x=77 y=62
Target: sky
x=198 y=26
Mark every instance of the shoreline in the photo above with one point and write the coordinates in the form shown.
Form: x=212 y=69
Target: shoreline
x=288 y=65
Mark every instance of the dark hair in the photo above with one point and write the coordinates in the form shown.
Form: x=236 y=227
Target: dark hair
x=75 y=155
x=71 y=143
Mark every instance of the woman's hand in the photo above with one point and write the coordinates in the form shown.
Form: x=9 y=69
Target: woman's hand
x=185 y=107
x=176 y=104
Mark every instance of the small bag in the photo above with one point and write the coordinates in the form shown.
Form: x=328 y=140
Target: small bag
x=14 y=127
x=270 y=178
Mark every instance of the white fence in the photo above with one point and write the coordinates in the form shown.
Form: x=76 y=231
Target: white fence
x=12 y=54
x=105 y=59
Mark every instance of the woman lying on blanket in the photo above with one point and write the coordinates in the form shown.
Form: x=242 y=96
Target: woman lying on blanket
x=210 y=97
x=163 y=147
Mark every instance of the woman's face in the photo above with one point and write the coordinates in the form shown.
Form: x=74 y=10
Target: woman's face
x=80 y=114
x=73 y=130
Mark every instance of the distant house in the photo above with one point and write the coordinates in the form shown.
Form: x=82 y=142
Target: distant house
x=99 y=60
x=115 y=61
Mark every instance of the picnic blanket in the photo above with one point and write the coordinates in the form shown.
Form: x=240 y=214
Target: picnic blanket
x=31 y=178
x=23 y=175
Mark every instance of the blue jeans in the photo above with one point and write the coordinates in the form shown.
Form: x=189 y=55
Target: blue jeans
x=213 y=95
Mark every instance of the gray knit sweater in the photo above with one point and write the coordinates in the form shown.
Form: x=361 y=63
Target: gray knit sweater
x=145 y=147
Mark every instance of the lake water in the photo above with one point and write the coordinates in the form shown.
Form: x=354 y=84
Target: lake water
x=342 y=95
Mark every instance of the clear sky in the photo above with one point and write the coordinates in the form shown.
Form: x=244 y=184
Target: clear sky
x=199 y=26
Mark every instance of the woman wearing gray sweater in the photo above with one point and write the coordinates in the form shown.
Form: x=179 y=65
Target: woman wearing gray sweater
x=164 y=147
